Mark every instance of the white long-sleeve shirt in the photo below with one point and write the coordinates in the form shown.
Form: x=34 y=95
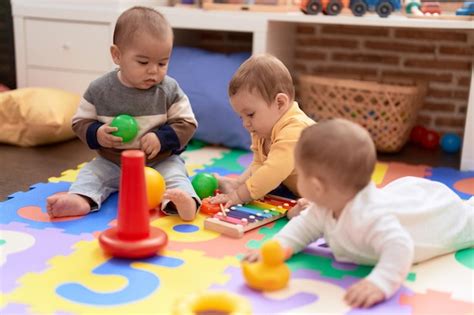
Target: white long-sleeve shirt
x=408 y=221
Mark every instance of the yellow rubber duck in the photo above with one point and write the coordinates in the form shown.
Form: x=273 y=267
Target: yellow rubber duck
x=270 y=273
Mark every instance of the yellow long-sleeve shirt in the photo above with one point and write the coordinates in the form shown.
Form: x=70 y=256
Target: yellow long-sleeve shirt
x=267 y=172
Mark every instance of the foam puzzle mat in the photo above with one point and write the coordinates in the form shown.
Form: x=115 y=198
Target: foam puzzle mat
x=57 y=267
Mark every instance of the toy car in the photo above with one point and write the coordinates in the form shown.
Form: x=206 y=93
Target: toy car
x=430 y=7
x=467 y=9
x=329 y=7
x=382 y=7
x=358 y=7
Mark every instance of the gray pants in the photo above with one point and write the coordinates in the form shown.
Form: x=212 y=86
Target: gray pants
x=99 y=178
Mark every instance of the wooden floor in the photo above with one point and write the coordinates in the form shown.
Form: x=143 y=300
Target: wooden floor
x=22 y=167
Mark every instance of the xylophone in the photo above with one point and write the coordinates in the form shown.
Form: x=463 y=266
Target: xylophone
x=242 y=218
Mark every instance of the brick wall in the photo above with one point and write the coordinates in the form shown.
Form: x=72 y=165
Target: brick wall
x=7 y=52
x=440 y=58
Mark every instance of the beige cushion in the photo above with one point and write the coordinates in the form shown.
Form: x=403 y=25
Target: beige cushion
x=34 y=116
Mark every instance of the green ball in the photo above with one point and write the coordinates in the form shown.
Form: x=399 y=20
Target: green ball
x=127 y=127
x=205 y=184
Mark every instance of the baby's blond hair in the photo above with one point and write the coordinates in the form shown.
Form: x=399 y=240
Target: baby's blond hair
x=266 y=75
x=140 y=19
x=338 y=152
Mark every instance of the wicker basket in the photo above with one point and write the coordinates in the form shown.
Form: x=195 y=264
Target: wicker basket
x=387 y=111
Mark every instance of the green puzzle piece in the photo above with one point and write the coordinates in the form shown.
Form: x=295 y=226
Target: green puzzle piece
x=324 y=266
x=229 y=162
x=466 y=257
x=268 y=232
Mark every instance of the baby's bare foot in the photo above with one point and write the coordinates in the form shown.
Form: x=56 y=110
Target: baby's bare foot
x=227 y=184
x=183 y=202
x=67 y=205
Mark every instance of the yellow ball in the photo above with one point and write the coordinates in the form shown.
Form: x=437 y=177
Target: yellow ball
x=155 y=187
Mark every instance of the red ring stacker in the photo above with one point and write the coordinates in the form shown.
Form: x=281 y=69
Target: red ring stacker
x=133 y=237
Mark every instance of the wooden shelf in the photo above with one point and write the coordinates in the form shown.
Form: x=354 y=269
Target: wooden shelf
x=226 y=19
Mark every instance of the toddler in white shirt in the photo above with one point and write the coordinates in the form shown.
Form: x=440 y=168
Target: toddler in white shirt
x=408 y=221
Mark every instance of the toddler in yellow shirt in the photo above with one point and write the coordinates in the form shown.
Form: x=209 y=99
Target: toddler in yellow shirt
x=262 y=93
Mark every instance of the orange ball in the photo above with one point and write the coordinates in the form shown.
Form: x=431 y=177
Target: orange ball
x=155 y=187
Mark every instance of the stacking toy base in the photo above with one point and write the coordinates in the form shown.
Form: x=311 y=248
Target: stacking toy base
x=134 y=248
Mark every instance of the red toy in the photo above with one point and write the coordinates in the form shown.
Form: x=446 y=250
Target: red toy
x=133 y=237
x=417 y=134
x=430 y=7
x=209 y=208
x=430 y=140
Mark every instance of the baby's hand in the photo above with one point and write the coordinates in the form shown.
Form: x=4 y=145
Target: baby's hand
x=227 y=184
x=301 y=204
x=252 y=256
x=363 y=294
x=105 y=137
x=150 y=144
x=227 y=199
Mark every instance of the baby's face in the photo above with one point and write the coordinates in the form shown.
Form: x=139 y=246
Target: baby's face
x=258 y=117
x=144 y=61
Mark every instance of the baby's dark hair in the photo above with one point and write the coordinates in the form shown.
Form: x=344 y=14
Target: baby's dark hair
x=140 y=19
x=337 y=152
x=266 y=75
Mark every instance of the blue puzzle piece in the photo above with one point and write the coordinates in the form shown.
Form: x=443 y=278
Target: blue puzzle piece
x=450 y=177
x=36 y=197
x=140 y=283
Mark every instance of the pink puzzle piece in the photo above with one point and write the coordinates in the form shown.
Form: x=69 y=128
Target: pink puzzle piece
x=434 y=302
x=220 y=246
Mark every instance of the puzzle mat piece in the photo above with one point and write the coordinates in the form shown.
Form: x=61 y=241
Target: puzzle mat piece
x=87 y=281
x=268 y=232
x=245 y=159
x=445 y=274
x=427 y=275
x=397 y=170
x=431 y=274
x=29 y=207
x=193 y=236
x=461 y=182
x=67 y=176
x=27 y=250
x=465 y=257
x=433 y=302
x=308 y=293
x=197 y=159
x=14 y=308
x=228 y=162
x=218 y=170
x=322 y=261
x=379 y=172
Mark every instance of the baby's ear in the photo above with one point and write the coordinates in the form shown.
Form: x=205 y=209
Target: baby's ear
x=282 y=100
x=317 y=185
x=115 y=53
